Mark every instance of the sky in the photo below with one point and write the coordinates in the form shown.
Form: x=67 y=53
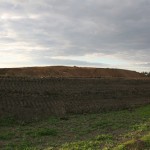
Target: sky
x=89 y=33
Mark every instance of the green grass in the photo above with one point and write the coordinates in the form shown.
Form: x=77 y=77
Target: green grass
x=9 y=121
x=24 y=145
x=146 y=140
x=6 y=135
x=142 y=143
x=42 y=132
x=110 y=130
x=90 y=144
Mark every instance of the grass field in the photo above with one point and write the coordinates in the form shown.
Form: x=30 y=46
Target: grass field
x=116 y=130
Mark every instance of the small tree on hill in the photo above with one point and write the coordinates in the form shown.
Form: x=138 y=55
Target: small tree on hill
x=146 y=74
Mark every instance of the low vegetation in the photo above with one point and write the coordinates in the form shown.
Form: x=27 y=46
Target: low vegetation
x=114 y=130
x=147 y=74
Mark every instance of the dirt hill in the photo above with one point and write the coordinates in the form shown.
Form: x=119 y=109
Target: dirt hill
x=62 y=71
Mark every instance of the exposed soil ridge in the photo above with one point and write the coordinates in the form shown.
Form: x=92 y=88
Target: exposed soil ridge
x=64 y=71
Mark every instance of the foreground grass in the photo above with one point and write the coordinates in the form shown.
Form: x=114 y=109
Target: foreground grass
x=118 y=130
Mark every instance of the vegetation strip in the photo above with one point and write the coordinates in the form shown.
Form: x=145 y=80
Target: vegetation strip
x=115 y=130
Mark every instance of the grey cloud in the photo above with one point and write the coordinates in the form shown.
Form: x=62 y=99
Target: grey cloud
x=145 y=65
x=76 y=28
x=50 y=61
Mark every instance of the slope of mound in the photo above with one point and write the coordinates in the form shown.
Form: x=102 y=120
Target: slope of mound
x=62 y=71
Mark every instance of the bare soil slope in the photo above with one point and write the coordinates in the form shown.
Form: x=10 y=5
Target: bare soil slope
x=62 y=71
x=30 y=98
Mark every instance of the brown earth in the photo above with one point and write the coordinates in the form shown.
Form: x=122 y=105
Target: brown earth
x=37 y=92
x=61 y=71
x=33 y=98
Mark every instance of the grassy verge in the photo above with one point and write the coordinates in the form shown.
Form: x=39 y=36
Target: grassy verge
x=118 y=130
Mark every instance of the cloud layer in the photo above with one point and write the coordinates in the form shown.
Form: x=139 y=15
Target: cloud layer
x=109 y=33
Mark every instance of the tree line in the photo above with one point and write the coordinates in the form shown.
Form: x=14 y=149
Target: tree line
x=146 y=74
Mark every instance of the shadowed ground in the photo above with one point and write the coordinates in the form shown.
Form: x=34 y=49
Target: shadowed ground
x=33 y=98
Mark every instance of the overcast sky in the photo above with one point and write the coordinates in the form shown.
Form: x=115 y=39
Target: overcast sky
x=97 y=33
